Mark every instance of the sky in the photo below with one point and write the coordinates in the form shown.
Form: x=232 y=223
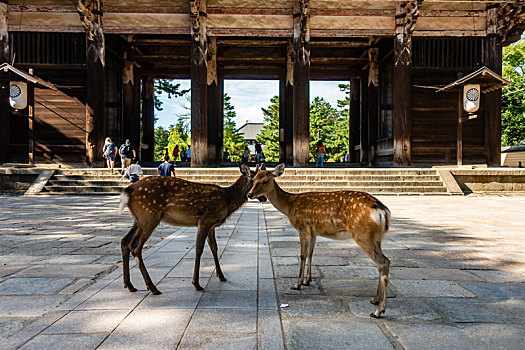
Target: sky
x=247 y=96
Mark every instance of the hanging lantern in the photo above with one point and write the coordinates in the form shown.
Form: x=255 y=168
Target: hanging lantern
x=471 y=95
x=18 y=94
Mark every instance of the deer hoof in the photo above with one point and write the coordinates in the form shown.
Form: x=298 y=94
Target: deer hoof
x=131 y=289
x=296 y=287
x=306 y=283
x=377 y=314
x=156 y=292
x=222 y=279
x=374 y=301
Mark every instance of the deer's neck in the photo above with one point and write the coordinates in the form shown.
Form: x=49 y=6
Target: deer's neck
x=237 y=193
x=280 y=199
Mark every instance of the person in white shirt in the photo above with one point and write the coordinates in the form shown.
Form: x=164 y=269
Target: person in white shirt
x=134 y=171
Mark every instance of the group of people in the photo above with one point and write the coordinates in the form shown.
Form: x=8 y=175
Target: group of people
x=260 y=159
x=185 y=154
x=126 y=152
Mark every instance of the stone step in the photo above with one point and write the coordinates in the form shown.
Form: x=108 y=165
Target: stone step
x=282 y=183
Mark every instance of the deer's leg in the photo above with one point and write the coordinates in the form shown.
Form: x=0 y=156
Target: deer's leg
x=213 y=247
x=311 y=247
x=202 y=233
x=145 y=230
x=305 y=243
x=124 y=246
x=372 y=248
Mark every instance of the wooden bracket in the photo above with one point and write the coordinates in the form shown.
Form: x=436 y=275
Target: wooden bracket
x=91 y=13
x=407 y=14
x=510 y=22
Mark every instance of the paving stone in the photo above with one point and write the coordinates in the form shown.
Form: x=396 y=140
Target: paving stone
x=423 y=336
x=499 y=276
x=180 y=298
x=270 y=330
x=28 y=305
x=354 y=288
x=71 y=259
x=240 y=278
x=267 y=296
x=213 y=341
x=113 y=300
x=185 y=268
x=31 y=286
x=226 y=321
x=76 y=286
x=397 y=309
x=482 y=310
x=92 y=321
x=284 y=286
x=306 y=334
x=229 y=299
x=283 y=261
x=423 y=273
x=349 y=272
x=140 y=330
x=73 y=270
x=312 y=306
x=496 y=290
x=9 y=326
x=430 y=289
x=6 y=270
x=292 y=271
x=64 y=341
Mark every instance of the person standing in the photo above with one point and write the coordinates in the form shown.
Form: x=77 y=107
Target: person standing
x=188 y=154
x=226 y=155
x=321 y=150
x=175 y=153
x=109 y=152
x=166 y=168
x=258 y=151
x=246 y=155
x=346 y=157
x=127 y=152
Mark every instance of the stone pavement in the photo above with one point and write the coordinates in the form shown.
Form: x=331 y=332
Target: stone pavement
x=457 y=280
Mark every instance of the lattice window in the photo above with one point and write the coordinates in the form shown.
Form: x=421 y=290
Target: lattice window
x=447 y=52
x=48 y=48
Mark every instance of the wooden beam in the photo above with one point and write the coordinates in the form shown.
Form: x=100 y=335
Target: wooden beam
x=301 y=84
x=31 y=119
x=363 y=121
x=148 y=120
x=459 y=142
x=373 y=103
x=199 y=87
x=5 y=108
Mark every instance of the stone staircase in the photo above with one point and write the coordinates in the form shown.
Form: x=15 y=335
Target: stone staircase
x=384 y=181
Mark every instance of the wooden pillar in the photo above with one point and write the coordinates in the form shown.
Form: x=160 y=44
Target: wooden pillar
x=199 y=88
x=215 y=107
x=31 y=119
x=286 y=109
x=373 y=103
x=355 y=110
x=301 y=84
x=95 y=96
x=363 y=121
x=5 y=109
x=492 y=100
x=459 y=150
x=148 y=120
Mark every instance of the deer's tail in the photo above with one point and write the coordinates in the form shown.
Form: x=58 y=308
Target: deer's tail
x=381 y=215
x=124 y=198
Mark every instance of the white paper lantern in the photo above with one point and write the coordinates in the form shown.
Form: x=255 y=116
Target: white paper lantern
x=471 y=96
x=18 y=94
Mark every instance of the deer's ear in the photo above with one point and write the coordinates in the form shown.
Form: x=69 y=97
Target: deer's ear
x=245 y=170
x=279 y=170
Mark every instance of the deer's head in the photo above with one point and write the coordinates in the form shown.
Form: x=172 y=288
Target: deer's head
x=250 y=175
x=264 y=180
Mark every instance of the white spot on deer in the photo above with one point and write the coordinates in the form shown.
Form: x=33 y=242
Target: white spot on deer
x=140 y=188
x=154 y=201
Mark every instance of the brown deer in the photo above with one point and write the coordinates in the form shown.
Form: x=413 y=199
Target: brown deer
x=178 y=202
x=337 y=215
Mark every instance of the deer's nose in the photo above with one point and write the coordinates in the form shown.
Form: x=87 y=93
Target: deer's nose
x=250 y=195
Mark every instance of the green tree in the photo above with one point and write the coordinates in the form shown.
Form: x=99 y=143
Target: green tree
x=327 y=125
x=513 y=96
x=344 y=105
x=161 y=141
x=232 y=139
x=269 y=135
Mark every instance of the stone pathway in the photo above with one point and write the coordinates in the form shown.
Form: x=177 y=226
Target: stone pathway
x=457 y=280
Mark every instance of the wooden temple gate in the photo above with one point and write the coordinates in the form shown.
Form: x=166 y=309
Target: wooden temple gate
x=105 y=55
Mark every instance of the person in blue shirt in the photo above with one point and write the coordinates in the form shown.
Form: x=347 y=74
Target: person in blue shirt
x=166 y=168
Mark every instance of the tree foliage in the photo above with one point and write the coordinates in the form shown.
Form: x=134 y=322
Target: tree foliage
x=233 y=140
x=269 y=135
x=161 y=141
x=513 y=96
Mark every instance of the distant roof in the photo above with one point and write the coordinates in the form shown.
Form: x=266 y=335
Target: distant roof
x=485 y=77
x=6 y=67
x=251 y=130
x=517 y=148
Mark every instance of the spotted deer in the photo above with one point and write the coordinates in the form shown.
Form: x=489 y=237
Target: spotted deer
x=179 y=202
x=337 y=215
